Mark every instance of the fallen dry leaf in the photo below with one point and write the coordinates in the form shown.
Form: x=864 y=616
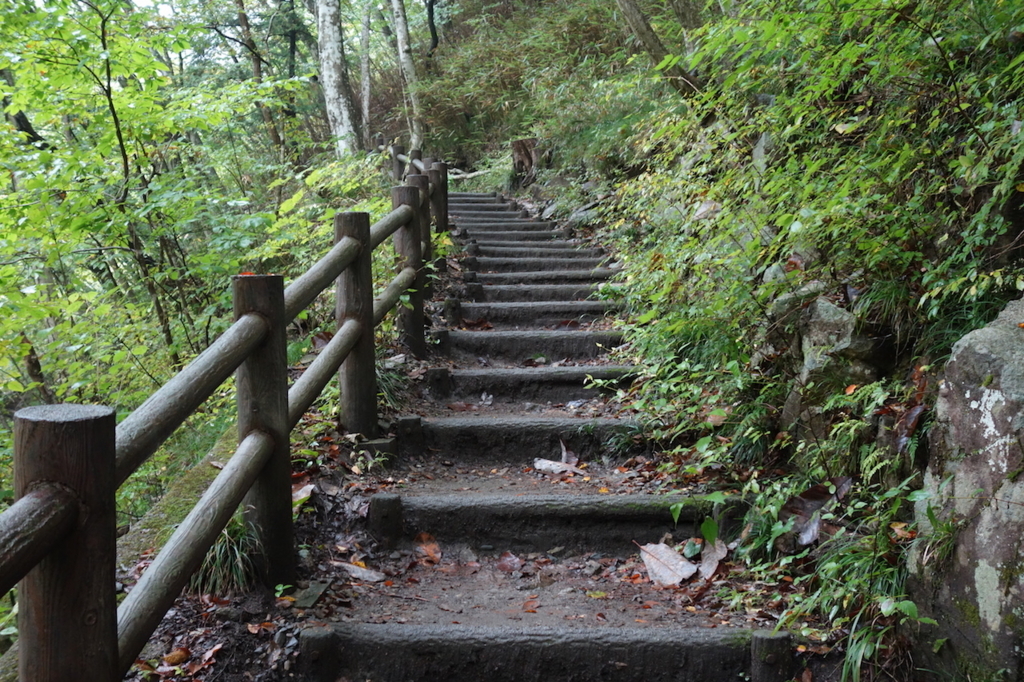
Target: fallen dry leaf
x=665 y=565
x=710 y=557
x=428 y=551
x=509 y=562
x=178 y=656
x=549 y=466
x=366 y=575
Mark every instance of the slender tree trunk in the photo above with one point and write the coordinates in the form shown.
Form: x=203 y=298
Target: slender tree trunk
x=257 y=73
x=408 y=70
x=687 y=12
x=364 y=72
x=432 y=26
x=342 y=114
x=683 y=81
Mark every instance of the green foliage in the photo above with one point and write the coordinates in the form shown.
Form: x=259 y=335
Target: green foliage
x=229 y=566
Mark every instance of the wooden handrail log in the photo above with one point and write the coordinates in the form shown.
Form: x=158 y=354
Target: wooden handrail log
x=31 y=527
x=301 y=292
x=389 y=224
x=145 y=606
x=145 y=429
x=308 y=386
x=383 y=304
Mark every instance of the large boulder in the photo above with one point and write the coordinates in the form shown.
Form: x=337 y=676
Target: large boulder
x=967 y=572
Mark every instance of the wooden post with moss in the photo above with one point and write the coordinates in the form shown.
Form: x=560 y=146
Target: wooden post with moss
x=67 y=622
x=407 y=241
x=357 y=377
x=262 y=385
x=397 y=166
x=438 y=175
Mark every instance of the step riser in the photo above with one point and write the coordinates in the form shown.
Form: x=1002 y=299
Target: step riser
x=513 y=347
x=504 y=225
x=544 y=277
x=538 y=523
x=535 y=385
x=488 y=216
x=502 y=293
x=460 y=207
x=545 y=314
x=525 y=264
x=512 y=236
x=511 y=440
x=530 y=251
x=411 y=653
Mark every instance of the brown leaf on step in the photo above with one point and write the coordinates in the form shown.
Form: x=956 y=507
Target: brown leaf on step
x=463 y=407
x=428 y=551
x=567 y=324
x=806 y=507
x=906 y=427
x=321 y=339
x=476 y=324
x=509 y=562
x=530 y=605
x=178 y=656
x=807 y=675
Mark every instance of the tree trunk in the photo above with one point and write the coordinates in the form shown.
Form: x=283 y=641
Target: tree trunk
x=687 y=12
x=364 y=72
x=257 y=73
x=342 y=114
x=683 y=81
x=432 y=26
x=408 y=70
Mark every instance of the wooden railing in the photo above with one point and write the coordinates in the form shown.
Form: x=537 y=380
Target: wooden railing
x=58 y=538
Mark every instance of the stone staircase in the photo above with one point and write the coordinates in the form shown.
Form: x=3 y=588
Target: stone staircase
x=501 y=572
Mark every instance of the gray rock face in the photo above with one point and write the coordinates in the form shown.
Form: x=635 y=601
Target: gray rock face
x=971 y=580
x=831 y=355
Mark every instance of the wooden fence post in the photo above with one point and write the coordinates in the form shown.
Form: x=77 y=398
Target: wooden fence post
x=408 y=246
x=397 y=167
x=357 y=377
x=415 y=155
x=421 y=182
x=67 y=613
x=438 y=175
x=262 y=385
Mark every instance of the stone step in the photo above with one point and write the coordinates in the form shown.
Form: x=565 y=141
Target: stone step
x=535 y=521
x=530 y=250
x=473 y=195
x=533 y=264
x=519 y=346
x=544 y=276
x=477 y=206
x=515 y=438
x=504 y=225
x=487 y=216
x=525 y=384
x=538 y=313
x=516 y=653
x=512 y=293
x=510 y=235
